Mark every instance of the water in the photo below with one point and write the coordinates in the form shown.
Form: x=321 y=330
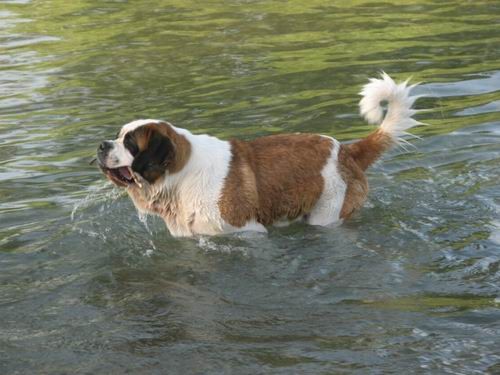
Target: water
x=410 y=285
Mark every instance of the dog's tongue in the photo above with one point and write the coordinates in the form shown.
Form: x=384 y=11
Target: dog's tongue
x=124 y=171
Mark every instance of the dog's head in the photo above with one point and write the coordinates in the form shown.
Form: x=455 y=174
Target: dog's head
x=144 y=151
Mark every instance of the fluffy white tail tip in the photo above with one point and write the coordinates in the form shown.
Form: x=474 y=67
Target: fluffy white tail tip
x=398 y=117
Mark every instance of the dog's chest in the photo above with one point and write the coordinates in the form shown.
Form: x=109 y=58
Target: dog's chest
x=184 y=215
x=190 y=221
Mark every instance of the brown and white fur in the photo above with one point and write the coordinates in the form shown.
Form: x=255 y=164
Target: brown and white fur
x=199 y=184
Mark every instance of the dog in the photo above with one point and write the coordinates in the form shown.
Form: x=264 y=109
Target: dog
x=202 y=185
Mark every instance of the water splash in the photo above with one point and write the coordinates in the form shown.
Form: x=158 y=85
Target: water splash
x=96 y=194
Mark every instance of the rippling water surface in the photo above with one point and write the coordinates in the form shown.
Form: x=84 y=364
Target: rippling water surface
x=410 y=285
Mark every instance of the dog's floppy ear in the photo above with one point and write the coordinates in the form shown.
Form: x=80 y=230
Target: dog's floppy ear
x=152 y=162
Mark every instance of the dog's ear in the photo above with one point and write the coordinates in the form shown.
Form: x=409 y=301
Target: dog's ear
x=152 y=162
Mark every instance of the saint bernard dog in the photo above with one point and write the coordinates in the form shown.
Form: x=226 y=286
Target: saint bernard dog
x=202 y=185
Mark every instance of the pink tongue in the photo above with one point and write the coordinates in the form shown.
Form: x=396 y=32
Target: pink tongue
x=125 y=173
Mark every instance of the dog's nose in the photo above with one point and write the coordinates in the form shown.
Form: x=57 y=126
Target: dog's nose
x=105 y=146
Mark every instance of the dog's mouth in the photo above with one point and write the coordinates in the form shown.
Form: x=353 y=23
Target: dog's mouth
x=121 y=176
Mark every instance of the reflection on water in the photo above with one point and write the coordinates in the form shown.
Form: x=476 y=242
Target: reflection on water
x=88 y=286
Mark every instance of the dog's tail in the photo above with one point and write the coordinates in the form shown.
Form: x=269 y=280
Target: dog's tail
x=397 y=119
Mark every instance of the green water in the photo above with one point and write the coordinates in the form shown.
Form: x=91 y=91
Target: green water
x=410 y=285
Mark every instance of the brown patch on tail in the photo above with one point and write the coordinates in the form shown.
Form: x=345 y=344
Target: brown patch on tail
x=367 y=150
x=354 y=177
x=354 y=159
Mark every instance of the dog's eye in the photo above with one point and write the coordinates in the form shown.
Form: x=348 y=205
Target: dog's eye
x=130 y=145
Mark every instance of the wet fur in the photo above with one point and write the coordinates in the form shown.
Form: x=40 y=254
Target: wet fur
x=203 y=185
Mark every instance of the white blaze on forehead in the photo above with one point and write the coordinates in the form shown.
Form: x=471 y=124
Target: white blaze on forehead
x=131 y=126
